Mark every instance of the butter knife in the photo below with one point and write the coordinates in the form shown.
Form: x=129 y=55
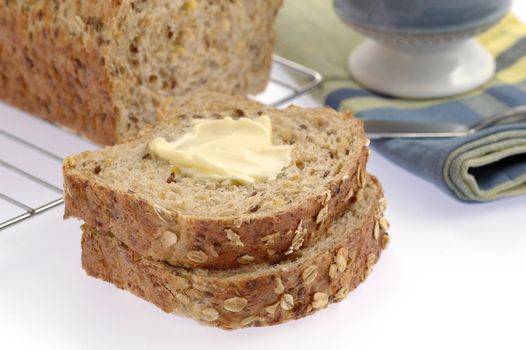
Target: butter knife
x=378 y=129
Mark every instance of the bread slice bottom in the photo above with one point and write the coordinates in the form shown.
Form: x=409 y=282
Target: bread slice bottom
x=257 y=295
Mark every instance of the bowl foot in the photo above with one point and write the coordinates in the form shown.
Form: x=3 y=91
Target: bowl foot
x=421 y=70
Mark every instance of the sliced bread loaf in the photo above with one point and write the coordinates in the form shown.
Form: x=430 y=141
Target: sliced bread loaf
x=198 y=223
x=257 y=295
x=101 y=68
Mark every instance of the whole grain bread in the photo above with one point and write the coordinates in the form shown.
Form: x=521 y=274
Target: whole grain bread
x=257 y=295
x=197 y=223
x=102 y=68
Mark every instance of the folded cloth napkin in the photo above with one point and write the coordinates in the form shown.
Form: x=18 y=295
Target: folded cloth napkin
x=485 y=166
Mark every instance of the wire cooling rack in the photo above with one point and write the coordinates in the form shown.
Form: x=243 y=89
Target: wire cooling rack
x=28 y=188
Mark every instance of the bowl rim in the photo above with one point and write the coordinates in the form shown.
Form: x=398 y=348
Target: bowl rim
x=464 y=29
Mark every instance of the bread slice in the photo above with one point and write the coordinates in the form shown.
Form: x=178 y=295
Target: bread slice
x=102 y=68
x=257 y=295
x=197 y=223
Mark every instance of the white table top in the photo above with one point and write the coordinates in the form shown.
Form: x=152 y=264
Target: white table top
x=453 y=277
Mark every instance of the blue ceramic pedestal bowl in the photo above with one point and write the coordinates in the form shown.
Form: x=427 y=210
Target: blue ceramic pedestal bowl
x=421 y=48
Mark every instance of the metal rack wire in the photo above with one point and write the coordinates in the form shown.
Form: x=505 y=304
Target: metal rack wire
x=294 y=80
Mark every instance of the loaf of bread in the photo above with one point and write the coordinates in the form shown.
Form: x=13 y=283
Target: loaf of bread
x=102 y=68
x=256 y=295
x=189 y=222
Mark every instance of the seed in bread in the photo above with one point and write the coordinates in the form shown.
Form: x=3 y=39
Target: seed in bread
x=286 y=302
x=278 y=285
x=376 y=230
x=235 y=304
x=320 y=300
x=168 y=238
x=310 y=274
x=233 y=237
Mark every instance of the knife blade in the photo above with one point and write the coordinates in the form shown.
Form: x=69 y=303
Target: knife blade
x=378 y=129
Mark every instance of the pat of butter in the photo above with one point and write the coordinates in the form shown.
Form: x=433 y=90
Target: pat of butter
x=226 y=149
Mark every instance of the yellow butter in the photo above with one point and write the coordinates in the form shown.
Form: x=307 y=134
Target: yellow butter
x=225 y=149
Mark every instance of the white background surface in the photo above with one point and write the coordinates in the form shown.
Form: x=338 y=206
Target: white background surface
x=454 y=277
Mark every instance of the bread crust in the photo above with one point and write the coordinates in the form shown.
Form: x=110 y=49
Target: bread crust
x=54 y=72
x=248 y=296
x=140 y=224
